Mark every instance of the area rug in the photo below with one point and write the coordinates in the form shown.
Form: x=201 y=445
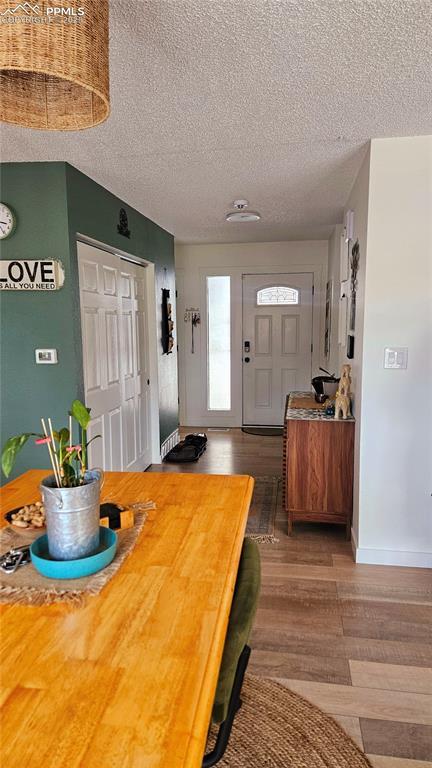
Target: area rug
x=263 y=509
x=263 y=431
x=277 y=728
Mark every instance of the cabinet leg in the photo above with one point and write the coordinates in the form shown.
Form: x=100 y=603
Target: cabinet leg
x=348 y=530
x=290 y=524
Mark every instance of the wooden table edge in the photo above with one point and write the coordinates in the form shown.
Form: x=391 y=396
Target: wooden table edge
x=205 y=705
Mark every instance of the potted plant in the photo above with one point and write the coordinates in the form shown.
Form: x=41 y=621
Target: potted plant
x=71 y=495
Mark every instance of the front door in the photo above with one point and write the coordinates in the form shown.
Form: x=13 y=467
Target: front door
x=277 y=343
x=115 y=359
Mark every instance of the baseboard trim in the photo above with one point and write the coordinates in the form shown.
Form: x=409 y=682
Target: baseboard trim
x=354 y=545
x=169 y=443
x=364 y=556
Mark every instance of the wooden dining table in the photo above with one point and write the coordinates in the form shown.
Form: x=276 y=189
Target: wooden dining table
x=128 y=678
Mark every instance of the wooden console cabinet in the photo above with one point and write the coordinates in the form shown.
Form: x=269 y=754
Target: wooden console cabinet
x=318 y=466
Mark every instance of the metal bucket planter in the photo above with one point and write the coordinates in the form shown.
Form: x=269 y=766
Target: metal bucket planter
x=72 y=516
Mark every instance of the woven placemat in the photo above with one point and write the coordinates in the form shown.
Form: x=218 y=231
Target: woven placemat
x=28 y=587
x=306 y=401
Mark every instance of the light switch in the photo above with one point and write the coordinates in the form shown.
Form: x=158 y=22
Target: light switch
x=46 y=356
x=396 y=357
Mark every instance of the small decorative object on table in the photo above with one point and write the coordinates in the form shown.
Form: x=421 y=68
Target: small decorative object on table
x=116 y=516
x=79 y=567
x=343 y=399
x=28 y=517
x=71 y=494
x=321 y=398
x=14 y=558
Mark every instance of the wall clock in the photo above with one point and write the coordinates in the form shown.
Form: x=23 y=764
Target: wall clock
x=7 y=221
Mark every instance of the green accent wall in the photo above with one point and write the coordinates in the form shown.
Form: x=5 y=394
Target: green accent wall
x=53 y=202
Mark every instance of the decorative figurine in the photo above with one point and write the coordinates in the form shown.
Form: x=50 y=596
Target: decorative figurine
x=123 y=225
x=343 y=399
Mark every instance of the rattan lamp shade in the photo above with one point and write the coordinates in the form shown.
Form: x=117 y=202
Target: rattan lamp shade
x=54 y=75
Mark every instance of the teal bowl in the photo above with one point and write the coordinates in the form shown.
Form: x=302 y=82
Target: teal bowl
x=74 y=569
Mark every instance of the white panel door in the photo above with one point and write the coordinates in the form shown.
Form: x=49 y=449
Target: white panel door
x=100 y=325
x=111 y=311
x=136 y=380
x=277 y=343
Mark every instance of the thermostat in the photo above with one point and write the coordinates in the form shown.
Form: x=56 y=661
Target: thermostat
x=46 y=356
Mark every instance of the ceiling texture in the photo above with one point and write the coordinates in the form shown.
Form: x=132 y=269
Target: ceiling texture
x=269 y=100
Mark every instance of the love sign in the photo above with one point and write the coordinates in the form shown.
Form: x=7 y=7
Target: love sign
x=23 y=275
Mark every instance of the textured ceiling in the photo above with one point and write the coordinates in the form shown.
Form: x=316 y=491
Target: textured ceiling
x=272 y=100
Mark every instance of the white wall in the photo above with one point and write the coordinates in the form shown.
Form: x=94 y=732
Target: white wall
x=392 y=203
x=193 y=263
x=358 y=201
x=395 y=481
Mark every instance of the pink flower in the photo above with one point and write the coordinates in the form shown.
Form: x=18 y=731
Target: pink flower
x=42 y=440
x=72 y=448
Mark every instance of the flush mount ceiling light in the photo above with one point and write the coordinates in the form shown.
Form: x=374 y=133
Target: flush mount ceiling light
x=241 y=214
x=54 y=67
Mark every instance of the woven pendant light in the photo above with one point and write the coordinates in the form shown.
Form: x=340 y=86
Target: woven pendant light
x=54 y=71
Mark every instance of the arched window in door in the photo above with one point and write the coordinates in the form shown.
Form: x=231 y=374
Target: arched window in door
x=277 y=295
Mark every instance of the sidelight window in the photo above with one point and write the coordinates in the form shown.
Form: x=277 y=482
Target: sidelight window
x=219 y=343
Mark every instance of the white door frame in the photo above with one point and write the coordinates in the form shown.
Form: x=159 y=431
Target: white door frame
x=152 y=336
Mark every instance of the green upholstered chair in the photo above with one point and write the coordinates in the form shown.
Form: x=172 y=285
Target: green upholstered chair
x=236 y=650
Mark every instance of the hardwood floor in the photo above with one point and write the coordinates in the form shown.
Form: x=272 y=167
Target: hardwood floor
x=354 y=639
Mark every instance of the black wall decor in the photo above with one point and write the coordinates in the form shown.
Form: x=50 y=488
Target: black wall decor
x=123 y=225
x=350 y=346
x=327 y=327
x=354 y=266
x=167 y=323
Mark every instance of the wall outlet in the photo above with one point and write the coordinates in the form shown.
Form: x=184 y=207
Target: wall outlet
x=396 y=357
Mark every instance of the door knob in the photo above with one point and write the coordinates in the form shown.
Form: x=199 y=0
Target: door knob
x=247 y=359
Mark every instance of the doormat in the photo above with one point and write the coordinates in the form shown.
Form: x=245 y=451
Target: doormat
x=263 y=431
x=263 y=509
